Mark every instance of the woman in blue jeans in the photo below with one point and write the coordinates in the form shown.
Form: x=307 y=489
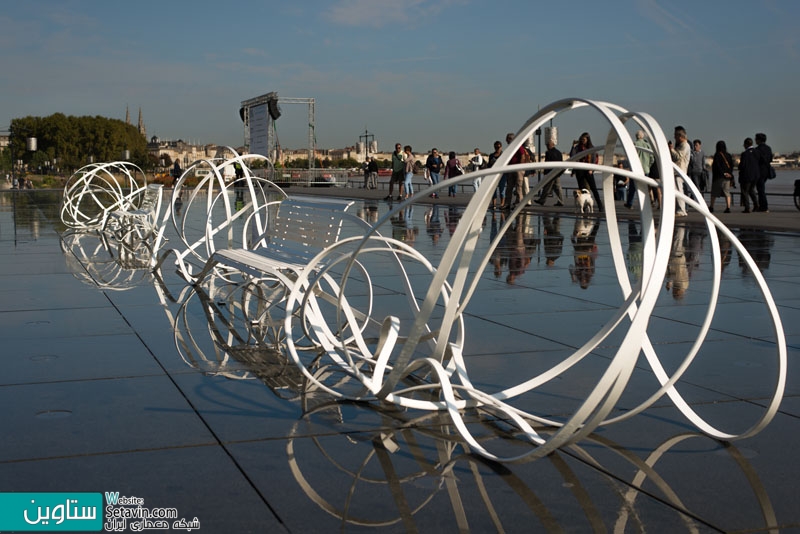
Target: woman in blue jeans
x=452 y=169
x=409 y=170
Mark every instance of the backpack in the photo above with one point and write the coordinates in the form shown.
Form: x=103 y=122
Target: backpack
x=524 y=156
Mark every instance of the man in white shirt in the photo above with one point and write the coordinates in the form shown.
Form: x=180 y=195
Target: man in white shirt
x=477 y=162
x=681 y=154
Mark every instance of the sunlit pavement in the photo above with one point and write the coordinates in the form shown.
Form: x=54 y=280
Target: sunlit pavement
x=97 y=396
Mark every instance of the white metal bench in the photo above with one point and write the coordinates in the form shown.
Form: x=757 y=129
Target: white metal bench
x=142 y=221
x=301 y=229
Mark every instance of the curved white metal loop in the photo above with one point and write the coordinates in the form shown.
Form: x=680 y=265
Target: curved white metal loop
x=98 y=189
x=234 y=209
x=397 y=350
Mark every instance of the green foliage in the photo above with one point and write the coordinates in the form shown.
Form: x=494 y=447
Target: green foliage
x=73 y=139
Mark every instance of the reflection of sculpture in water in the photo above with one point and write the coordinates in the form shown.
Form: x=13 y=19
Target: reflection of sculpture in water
x=400 y=474
x=677 y=273
x=585 y=251
x=99 y=259
x=552 y=239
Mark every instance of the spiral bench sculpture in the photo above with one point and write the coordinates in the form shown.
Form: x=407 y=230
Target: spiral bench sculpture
x=99 y=189
x=233 y=211
x=382 y=358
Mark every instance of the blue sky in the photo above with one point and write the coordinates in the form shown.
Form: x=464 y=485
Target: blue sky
x=455 y=74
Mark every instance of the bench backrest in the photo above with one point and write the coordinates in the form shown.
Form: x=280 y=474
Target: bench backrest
x=151 y=199
x=305 y=226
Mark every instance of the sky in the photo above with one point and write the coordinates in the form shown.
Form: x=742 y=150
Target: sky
x=454 y=74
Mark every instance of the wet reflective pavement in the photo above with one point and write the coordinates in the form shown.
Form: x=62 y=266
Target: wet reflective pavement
x=118 y=380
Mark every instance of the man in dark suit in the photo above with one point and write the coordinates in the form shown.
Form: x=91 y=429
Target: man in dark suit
x=764 y=153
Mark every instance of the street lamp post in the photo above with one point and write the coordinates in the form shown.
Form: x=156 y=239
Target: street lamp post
x=367 y=137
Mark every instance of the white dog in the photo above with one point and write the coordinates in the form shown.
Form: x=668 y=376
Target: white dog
x=584 y=203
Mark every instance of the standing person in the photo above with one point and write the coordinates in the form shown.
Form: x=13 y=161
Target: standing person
x=477 y=163
x=681 y=153
x=721 y=176
x=176 y=172
x=527 y=157
x=514 y=180
x=398 y=172
x=646 y=158
x=697 y=163
x=373 y=173
x=554 y=185
x=748 y=176
x=409 y=171
x=620 y=183
x=434 y=165
x=365 y=170
x=452 y=169
x=586 y=178
x=499 y=192
x=764 y=153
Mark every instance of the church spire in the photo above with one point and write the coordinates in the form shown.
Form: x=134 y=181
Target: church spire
x=141 y=124
x=127 y=115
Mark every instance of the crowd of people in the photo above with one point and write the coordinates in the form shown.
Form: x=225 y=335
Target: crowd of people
x=754 y=170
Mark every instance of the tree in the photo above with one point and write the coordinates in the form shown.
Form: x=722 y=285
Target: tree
x=73 y=140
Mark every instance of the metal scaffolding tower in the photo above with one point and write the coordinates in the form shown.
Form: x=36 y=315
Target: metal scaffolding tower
x=268 y=109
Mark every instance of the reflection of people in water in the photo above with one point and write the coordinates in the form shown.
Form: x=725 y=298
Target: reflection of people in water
x=585 y=251
x=758 y=244
x=521 y=247
x=634 y=258
x=694 y=248
x=451 y=217
x=553 y=240
x=433 y=225
x=369 y=212
x=411 y=230
x=178 y=205
x=498 y=258
x=677 y=273
x=724 y=251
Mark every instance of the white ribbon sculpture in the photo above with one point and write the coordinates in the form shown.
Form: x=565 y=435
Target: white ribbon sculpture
x=98 y=189
x=383 y=364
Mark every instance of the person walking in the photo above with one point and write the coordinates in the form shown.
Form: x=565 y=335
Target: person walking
x=398 y=172
x=514 y=180
x=452 y=169
x=764 y=153
x=585 y=177
x=365 y=170
x=476 y=161
x=681 y=154
x=748 y=176
x=499 y=192
x=554 y=185
x=646 y=158
x=434 y=165
x=721 y=176
x=697 y=163
x=409 y=171
x=372 y=181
